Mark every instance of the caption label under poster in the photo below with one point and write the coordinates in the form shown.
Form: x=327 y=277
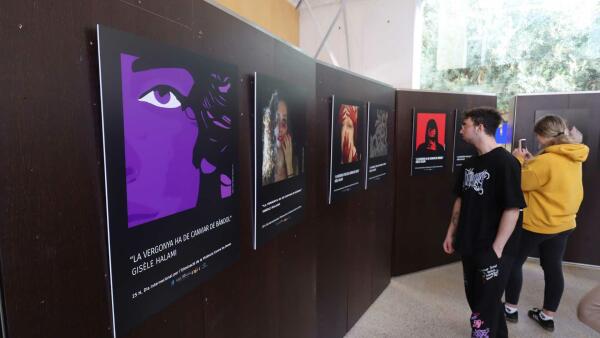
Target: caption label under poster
x=169 y=121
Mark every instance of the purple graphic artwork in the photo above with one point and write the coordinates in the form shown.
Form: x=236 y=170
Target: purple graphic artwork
x=176 y=128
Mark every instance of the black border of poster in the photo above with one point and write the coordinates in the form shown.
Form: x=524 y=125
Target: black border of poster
x=286 y=197
x=379 y=164
x=413 y=171
x=204 y=242
x=358 y=166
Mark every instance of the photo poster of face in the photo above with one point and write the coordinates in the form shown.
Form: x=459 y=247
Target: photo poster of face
x=429 y=142
x=348 y=126
x=462 y=150
x=578 y=118
x=378 y=142
x=169 y=124
x=279 y=144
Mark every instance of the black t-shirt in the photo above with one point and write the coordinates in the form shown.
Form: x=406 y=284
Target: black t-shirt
x=487 y=185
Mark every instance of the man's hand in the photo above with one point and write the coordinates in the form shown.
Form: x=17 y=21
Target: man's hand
x=448 y=244
x=498 y=250
x=449 y=240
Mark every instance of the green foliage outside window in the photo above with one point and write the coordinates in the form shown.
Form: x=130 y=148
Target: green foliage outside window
x=511 y=47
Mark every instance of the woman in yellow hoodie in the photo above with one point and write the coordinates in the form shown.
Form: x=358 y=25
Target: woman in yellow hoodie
x=553 y=190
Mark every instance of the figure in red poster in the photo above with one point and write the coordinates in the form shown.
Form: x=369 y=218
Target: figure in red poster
x=431 y=147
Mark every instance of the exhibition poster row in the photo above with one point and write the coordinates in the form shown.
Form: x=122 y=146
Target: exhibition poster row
x=429 y=143
x=170 y=133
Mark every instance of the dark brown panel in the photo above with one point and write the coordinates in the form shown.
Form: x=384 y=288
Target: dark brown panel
x=582 y=245
x=355 y=230
x=423 y=203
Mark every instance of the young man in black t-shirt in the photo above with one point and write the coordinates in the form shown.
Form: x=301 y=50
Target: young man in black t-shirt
x=484 y=217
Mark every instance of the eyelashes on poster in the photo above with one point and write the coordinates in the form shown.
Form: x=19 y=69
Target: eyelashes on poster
x=279 y=143
x=429 y=142
x=462 y=150
x=377 y=144
x=347 y=128
x=169 y=122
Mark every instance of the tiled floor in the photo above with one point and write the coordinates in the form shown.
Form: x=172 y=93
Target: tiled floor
x=432 y=303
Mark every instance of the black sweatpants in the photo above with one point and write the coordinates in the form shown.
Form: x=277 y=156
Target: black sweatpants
x=485 y=279
x=552 y=249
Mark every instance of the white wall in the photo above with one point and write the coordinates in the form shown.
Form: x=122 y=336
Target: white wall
x=381 y=36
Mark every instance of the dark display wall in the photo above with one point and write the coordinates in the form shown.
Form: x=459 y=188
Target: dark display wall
x=353 y=233
x=424 y=202
x=583 y=243
x=313 y=280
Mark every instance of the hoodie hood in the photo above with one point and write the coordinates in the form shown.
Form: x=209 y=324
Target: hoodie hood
x=574 y=152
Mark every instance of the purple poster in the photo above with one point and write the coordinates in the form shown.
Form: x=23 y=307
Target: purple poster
x=170 y=136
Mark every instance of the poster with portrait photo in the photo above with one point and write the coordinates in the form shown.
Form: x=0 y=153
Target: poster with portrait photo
x=429 y=142
x=279 y=144
x=169 y=123
x=378 y=142
x=346 y=148
x=462 y=150
x=579 y=118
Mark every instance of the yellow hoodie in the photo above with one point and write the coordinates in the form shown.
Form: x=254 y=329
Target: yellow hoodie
x=553 y=188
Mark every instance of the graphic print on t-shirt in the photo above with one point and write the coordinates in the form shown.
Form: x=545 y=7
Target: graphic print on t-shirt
x=475 y=180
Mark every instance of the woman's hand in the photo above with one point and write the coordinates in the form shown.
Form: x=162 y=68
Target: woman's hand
x=287 y=154
x=522 y=153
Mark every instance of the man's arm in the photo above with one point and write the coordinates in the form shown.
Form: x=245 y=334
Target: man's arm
x=448 y=241
x=508 y=221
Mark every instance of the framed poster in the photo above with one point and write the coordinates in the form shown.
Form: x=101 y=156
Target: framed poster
x=377 y=158
x=169 y=124
x=429 y=142
x=346 y=148
x=462 y=150
x=279 y=144
x=579 y=118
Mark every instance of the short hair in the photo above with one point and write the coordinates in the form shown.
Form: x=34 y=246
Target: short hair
x=489 y=117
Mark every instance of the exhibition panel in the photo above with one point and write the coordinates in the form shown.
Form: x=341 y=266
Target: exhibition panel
x=423 y=202
x=581 y=110
x=353 y=236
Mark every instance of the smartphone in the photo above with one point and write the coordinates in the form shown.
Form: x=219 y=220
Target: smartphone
x=522 y=143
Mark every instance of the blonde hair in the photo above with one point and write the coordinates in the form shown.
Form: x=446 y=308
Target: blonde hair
x=555 y=128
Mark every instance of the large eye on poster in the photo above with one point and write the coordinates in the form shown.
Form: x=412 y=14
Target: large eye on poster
x=378 y=142
x=462 y=150
x=346 y=148
x=169 y=122
x=429 y=142
x=279 y=142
